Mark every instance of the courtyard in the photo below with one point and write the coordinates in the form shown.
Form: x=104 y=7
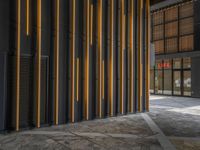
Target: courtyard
x=172 y=123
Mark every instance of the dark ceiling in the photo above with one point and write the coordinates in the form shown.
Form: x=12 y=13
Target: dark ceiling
x=155 y=1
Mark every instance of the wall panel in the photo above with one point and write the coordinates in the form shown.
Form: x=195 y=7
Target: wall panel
x=74 y=60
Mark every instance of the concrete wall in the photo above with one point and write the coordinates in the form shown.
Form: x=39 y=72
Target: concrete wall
x=195 y=77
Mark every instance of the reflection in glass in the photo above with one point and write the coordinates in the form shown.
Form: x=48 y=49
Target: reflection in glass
x=177 y=63
x=167 y=82
x=186 y=63
x=187 y=83
x=152 y=81
x=177 y=83
x=158 y=81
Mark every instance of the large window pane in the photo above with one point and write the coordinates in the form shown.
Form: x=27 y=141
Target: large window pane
x=171 y=29
x=152 y=81
x=159 y=47
x=167 y=82
x=177 y=63
x=186 y=63
x=177 y=83
x=171 y=45
x=187 y=83
x=186 y=43
x=158 y=82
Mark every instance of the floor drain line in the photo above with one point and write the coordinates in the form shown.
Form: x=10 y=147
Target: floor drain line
x=164 y=141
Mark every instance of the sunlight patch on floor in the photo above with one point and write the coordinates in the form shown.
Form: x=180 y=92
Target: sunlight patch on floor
x=195 y=110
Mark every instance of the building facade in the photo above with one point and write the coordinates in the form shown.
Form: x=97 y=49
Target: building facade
x=71 y=60
x=175 y=35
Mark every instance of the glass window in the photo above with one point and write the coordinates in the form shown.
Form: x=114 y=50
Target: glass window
x=177 y=83
x=171 y=29
x=158 y=32
x=158 y=64
x=158 y=17
x=167 y=82
x=167 y=77
x=159 y=46
x=177 y=63
x=152 y=81
x=158 y=82
x=167 y=64
x=171 y=45
x=171 y=14
x=186 y=43
x=186 y=26
x=186 y=63
x=187 y=83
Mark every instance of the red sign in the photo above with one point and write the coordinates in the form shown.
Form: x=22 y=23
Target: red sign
x=163 y=65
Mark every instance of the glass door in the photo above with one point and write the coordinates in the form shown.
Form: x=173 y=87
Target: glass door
x=187 y=83
x=177 y=83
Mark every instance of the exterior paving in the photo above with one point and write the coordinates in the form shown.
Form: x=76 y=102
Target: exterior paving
x=178 y=119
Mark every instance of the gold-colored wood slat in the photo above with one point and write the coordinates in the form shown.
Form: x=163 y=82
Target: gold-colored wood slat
x=38 y=58
x=103 y=80
x=27 y=16
x=111 y=55
x=131 y=56
x=100 y=55
x=148 y=25
x=140 y=55
x=18 y=63
x=86 y=98
x=122 y=55
x=56 y=61
x=73 y=60
x=77 y=79
x=91 y=24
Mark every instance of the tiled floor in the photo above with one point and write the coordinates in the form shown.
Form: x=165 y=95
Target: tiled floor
x=171 y=122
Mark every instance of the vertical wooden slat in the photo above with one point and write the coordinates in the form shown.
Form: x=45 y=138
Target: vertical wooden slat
x=56 y=61
x=73 y=60
x=91 y=24
x=100 y=55
x=131 y=56
x=27 y=16
x=77 y=79
x=122 y=55
x=140 y=55
x=148 y=53
x=18 y=62
x=103 y=80
x=38 y=58
x=86 y=101
x=111 y=54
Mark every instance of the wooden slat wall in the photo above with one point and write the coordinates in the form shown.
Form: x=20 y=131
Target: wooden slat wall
x=72 y=59
x=174 y=32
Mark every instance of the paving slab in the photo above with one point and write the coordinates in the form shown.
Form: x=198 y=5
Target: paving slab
x=175 y=120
